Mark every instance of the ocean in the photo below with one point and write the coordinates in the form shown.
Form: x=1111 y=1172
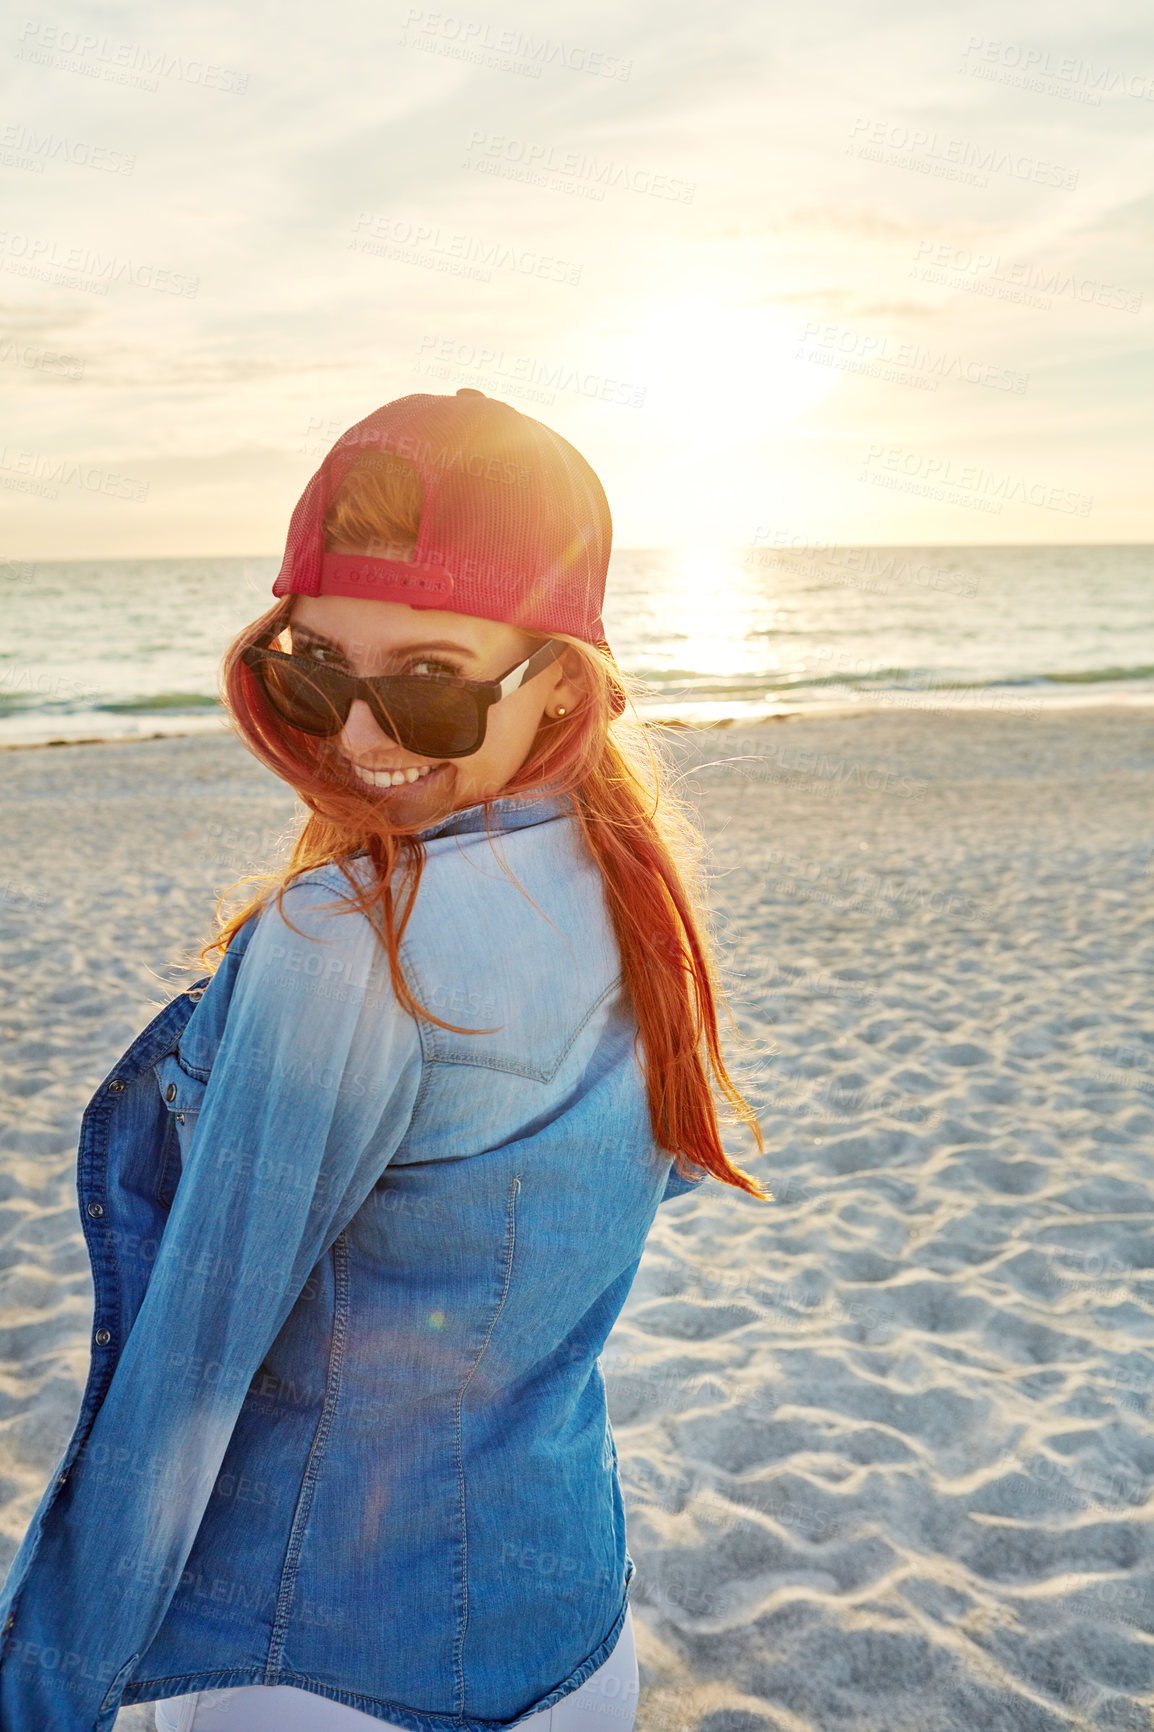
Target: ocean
x=101 y=649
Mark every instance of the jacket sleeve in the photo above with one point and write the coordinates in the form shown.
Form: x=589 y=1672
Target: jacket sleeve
x=676 y=1186
x=311 y=1092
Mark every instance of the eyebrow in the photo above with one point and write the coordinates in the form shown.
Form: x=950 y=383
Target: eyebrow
x=307 y=632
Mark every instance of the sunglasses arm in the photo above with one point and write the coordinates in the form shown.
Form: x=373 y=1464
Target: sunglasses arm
x=532 y=666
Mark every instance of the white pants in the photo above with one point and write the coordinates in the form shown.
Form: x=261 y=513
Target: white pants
x=606 y=1702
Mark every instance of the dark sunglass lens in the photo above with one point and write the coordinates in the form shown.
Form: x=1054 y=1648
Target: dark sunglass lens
x=308 y=698
x=433 y=718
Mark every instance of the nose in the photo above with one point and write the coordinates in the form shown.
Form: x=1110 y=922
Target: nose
x=362 y=733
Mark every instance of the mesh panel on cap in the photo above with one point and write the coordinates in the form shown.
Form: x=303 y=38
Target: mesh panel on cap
x=511 y=512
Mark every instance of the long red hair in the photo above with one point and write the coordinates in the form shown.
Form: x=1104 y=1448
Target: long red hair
x=640 y=834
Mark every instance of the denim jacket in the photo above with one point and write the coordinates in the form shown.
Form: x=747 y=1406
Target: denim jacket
x=344 y=1426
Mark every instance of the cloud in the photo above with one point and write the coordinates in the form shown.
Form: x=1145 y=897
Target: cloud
x=251 y=196
x=43 y=322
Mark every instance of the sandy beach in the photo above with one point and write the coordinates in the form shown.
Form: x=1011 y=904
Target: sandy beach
x=886 y=1442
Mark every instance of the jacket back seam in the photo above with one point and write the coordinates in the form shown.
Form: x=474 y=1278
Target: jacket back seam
x=535 y=1073
x=425 y=1030
x=340 y=1255
x=464 y=1623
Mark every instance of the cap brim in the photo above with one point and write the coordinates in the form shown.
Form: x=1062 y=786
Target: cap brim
x=617 y=698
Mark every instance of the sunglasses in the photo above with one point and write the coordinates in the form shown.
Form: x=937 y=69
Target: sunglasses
x=431 y=715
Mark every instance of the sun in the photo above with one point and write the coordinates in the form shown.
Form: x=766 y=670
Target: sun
x=724 y=391
x=728 y=369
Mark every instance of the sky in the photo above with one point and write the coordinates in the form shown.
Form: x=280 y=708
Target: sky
x=785 y=275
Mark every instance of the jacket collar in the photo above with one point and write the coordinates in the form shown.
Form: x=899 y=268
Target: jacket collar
x=510 y=812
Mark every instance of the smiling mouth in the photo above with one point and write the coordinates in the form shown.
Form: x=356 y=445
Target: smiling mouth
x=409 y=777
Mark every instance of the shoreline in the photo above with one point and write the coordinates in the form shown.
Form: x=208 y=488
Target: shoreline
x=1008 y=709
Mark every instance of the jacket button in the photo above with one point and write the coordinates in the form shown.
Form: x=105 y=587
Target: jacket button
x=103 y=1337
x=96 y=1208
x=60 y=1478
x=116 y=1087
x=180 y=1118
x=10 y=1620
x=170 y=1092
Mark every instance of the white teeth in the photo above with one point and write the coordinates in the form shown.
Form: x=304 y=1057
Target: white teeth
x=391 y=778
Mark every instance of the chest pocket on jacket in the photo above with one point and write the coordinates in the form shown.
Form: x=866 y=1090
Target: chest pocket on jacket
x=182 y=1096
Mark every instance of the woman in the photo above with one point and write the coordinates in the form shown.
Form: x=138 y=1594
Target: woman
x=363 y=1209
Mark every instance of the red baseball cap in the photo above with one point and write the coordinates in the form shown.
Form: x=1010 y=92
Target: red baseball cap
x=515 y=525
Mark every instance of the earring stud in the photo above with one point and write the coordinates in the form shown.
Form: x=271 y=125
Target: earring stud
x=560 y=711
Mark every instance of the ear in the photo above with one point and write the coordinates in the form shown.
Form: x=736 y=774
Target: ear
x=567 y=685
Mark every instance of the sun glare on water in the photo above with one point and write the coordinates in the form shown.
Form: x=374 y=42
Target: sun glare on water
x=717 y=607
x=703 y=626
